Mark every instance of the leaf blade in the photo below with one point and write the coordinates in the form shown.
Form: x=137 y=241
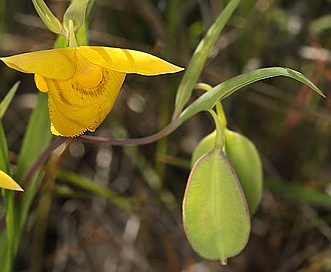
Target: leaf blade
x=8 y=98
x=208 y=100
x=199 y=57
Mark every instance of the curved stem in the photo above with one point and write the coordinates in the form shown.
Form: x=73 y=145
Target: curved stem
x=219 y=141
x=97 y=140
x=135 y=141
x=218 y=105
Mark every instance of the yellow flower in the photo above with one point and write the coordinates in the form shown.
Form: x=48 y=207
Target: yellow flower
x=83 y=82
x=8 y=183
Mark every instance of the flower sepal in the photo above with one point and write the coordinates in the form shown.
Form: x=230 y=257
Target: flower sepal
x=75 y=13
x=48 y=17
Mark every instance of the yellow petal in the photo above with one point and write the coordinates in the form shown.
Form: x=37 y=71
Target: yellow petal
x=127 y=61
x=41 y=83
x=75 y=109
x=71 y=121
x=8 y=183
x=56 y=133
x=87 y=74
x=54 y=63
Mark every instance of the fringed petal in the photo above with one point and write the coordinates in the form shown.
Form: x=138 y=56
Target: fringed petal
x=75 y=109
x=71 y=121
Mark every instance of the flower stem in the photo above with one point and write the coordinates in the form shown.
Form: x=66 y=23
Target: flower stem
x=218 y=105
x=219 y=141
x=135 y=141
x=92 y=139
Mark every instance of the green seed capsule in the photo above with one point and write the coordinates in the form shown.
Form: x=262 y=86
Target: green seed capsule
x=215 y=212
x=244 y=158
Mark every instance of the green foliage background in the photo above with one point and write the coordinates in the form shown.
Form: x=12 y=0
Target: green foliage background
x=135 y=225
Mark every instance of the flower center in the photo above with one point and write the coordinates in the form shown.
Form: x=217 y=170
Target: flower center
x=87 y=74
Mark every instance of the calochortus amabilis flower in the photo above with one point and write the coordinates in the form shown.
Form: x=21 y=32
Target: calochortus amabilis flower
x=83 y=82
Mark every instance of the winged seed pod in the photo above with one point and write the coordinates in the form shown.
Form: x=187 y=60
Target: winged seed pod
x=215 y=212
x=245 y=160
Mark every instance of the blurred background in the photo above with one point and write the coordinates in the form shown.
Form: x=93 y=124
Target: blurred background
x=131 y=219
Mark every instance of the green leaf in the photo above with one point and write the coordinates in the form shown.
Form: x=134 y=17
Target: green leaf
x=82 y=33
x=9 y=254
x=37 y=138
x=215 y=212
x=6 y=181
x=299 y=192
x=320 y=25
x=61 y=41
x=199 y=57
x=97 y=189
x=8 y=98
x=208 y=100
x=8 y=236
x=4 y=158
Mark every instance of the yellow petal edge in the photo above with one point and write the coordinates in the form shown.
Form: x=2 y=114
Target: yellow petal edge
x=127 y=61
x=8 y=183
x=58 y=63
x=52 y=63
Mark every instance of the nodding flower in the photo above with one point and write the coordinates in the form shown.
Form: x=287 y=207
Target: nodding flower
x=83 y=82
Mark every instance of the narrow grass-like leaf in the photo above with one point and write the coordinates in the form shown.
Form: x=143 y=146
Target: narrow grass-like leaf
x=4 y=158
x=37 y=137
x=8 y=237
x=36 y=140
x=199 y=57
x=92 y=187
x=208 y=100
x=297 y=192
x=10 y=230
x=8 y=98
x=5 y=255
x=320 y=25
